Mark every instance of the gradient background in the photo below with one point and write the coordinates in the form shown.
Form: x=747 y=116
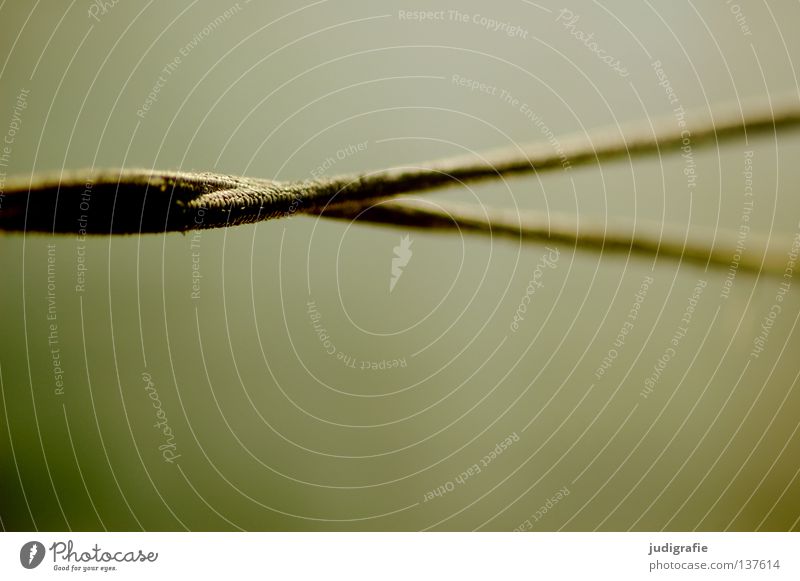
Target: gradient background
x=276 y=434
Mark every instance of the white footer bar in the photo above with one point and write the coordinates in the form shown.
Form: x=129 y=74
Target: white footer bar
x=388 y=556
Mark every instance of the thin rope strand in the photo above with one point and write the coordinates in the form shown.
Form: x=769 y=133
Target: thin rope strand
x=644 y=237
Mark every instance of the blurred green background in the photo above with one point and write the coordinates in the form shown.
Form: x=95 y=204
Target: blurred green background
x=280 y=418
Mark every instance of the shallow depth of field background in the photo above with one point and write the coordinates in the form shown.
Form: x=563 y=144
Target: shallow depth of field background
x=277 y=425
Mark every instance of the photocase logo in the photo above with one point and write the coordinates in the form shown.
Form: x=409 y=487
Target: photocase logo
x=402 y=256
x=31 y=554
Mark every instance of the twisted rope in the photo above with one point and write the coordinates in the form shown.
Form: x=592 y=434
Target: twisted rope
x=130 y=201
